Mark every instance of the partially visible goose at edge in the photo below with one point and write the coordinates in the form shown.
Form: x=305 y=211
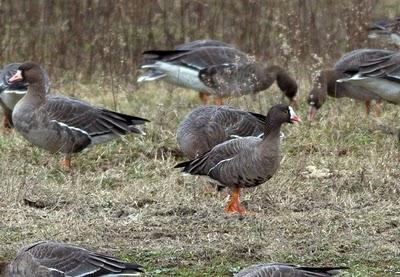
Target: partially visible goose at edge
x=207 y=126
x=63 y=124
x=380 y=76
x=244 y=161
x=11 y=93
x=385 y=29
x=53 y=259
x=215 y=70
x=288 y=270
x=325 y=81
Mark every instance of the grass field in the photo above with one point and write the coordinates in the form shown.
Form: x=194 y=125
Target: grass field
x=334 y=201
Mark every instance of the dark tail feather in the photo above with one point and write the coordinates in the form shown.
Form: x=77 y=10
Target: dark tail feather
x=185 y=165
x=327 y=270
x=164 y=53
x=120 y=123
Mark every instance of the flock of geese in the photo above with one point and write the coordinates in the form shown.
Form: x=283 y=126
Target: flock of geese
x=234 y=148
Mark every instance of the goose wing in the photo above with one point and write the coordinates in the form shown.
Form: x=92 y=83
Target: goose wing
x=350 y=63
x=68 y=260
x=197 y=58
x=94 y=121
x=276 y=270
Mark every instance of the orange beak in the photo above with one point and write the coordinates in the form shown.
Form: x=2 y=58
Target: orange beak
x=16 y=77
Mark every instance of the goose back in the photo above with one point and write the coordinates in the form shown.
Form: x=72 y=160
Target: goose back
x=47 y=258
x=202 y=43
x=68 y=125
x=207 y=126
x=381 y=76
x=287 y=270
x=325 y=81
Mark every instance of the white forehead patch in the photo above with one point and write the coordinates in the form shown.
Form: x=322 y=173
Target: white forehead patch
x=291 y=112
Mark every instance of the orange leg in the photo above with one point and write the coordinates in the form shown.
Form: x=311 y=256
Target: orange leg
x=367 y=106
x=66 y=163
x=234 y=203
x=204 y=97
x=218 y=101
x=378 y=109
x=6 y=122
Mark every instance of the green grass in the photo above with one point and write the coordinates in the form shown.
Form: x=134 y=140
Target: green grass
x=334 y=201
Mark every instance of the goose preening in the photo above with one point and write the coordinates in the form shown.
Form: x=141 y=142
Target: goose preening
x=221 y=71
x=288 y=270
x=11 y=93
x=207 y=126
x=244 y=161
x=51 y=259
x=63 y=124
x=325 y=82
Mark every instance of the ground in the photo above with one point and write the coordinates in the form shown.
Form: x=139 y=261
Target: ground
x=334 y=201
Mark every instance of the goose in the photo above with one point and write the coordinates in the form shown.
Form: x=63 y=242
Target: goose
x=215 y=70
x=51 y=259
x=10 y=94
x=288 y=270
x=386 y=29
x=152 y=73
x=380 y=76
x=244 y=161
x=325 y=81
x=59 y=123
x=207 y=126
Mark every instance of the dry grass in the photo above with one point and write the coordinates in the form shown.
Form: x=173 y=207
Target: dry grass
x=335 y=200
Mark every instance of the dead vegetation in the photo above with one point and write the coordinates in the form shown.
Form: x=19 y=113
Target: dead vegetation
x=333 y=202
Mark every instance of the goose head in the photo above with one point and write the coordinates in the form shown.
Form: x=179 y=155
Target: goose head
x=29 y=72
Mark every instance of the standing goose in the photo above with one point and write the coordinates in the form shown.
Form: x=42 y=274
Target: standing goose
x=287 y=270
x=325 y=81
x=53 y=259
x=62 y=124
x=244 y=161
x=217 y=70
x=11 y=93
x=207 y=126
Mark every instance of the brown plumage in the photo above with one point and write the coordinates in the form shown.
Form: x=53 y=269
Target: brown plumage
x=215 y=70
x=62 y=124
x=53 y=259
x=207 y=126
x=244 y=161
x=325 y=81
x=288 y=270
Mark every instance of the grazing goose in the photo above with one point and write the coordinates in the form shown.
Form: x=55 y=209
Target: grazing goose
x=386 y=29
x=325 y=81
x=62 y=124
x=51 y=259
x=207 y=126
x=244 y=161
x=10 y=94
x=216 y=70
x=380 y=76
x=288 y=270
